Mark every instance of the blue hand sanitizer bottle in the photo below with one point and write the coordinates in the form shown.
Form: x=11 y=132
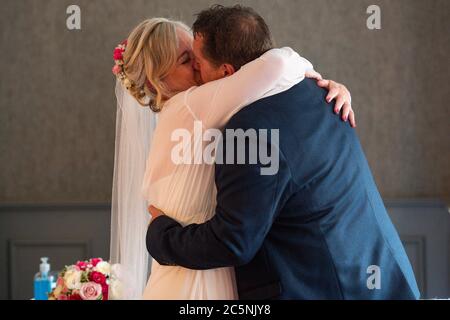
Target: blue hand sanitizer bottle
x=42 y=281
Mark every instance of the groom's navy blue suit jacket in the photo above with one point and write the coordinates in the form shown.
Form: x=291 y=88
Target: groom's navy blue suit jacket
x=317 y=229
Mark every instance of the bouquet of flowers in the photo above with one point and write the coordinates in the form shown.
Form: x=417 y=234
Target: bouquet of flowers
x=86 y=280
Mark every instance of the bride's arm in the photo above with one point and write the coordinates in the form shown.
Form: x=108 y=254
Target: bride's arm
x=215 y=102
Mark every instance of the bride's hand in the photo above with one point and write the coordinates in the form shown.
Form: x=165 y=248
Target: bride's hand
x=154 y=212
x=336 y=91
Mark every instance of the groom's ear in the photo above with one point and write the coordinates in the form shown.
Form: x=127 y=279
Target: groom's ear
x=227 y=69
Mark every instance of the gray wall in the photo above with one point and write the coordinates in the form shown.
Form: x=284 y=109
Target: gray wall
x=58 y=109
x=68 y=233
x=57 y=118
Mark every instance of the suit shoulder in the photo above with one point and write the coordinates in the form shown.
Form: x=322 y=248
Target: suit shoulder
x=248 y=117
x=259 y=113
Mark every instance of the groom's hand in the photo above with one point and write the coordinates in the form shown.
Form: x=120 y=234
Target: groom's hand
x=154 y=212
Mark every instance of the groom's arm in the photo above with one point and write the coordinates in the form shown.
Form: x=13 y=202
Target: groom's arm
x=247 y=204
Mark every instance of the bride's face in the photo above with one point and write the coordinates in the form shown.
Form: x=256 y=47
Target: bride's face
x=183 y=74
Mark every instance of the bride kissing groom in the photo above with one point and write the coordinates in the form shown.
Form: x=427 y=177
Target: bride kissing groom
x=316 y=228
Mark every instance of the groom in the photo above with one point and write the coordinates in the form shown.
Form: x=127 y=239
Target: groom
x=317 y=228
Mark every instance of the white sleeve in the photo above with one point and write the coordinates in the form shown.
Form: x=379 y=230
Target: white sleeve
x=215 y=102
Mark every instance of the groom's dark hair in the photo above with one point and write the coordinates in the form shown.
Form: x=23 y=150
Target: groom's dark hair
x=234 y=35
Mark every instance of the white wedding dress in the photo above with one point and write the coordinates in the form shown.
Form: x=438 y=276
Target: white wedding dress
x=186 y=192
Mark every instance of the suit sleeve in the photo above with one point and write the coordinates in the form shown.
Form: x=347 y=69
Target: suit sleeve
x=247 y=204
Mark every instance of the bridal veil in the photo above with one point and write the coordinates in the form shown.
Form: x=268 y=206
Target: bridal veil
x=129 y=215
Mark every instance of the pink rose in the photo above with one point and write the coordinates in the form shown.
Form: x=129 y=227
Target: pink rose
x=60 y=282
x=64 y=289
x=75 y=296
x=105 y=292
x=118 y=55
x=97 y=277
x=94 y=261
x=91 y=291
x=81 y=265
x=116 y=69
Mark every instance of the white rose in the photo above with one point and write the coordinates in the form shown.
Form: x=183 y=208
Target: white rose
x=72 y=278
x=103 y=267
x=116 y=271
x=115 y=291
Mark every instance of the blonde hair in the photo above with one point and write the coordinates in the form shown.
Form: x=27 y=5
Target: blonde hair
x=151 y=52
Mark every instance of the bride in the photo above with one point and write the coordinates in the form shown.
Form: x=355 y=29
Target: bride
x=156 y=68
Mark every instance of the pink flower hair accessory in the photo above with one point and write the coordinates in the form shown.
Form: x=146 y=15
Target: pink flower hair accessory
x=118 y=69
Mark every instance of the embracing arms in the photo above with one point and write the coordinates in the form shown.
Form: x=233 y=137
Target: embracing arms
x=277 y=70
x=237 y=230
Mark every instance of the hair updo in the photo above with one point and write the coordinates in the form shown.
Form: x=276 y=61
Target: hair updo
x=151 y=52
